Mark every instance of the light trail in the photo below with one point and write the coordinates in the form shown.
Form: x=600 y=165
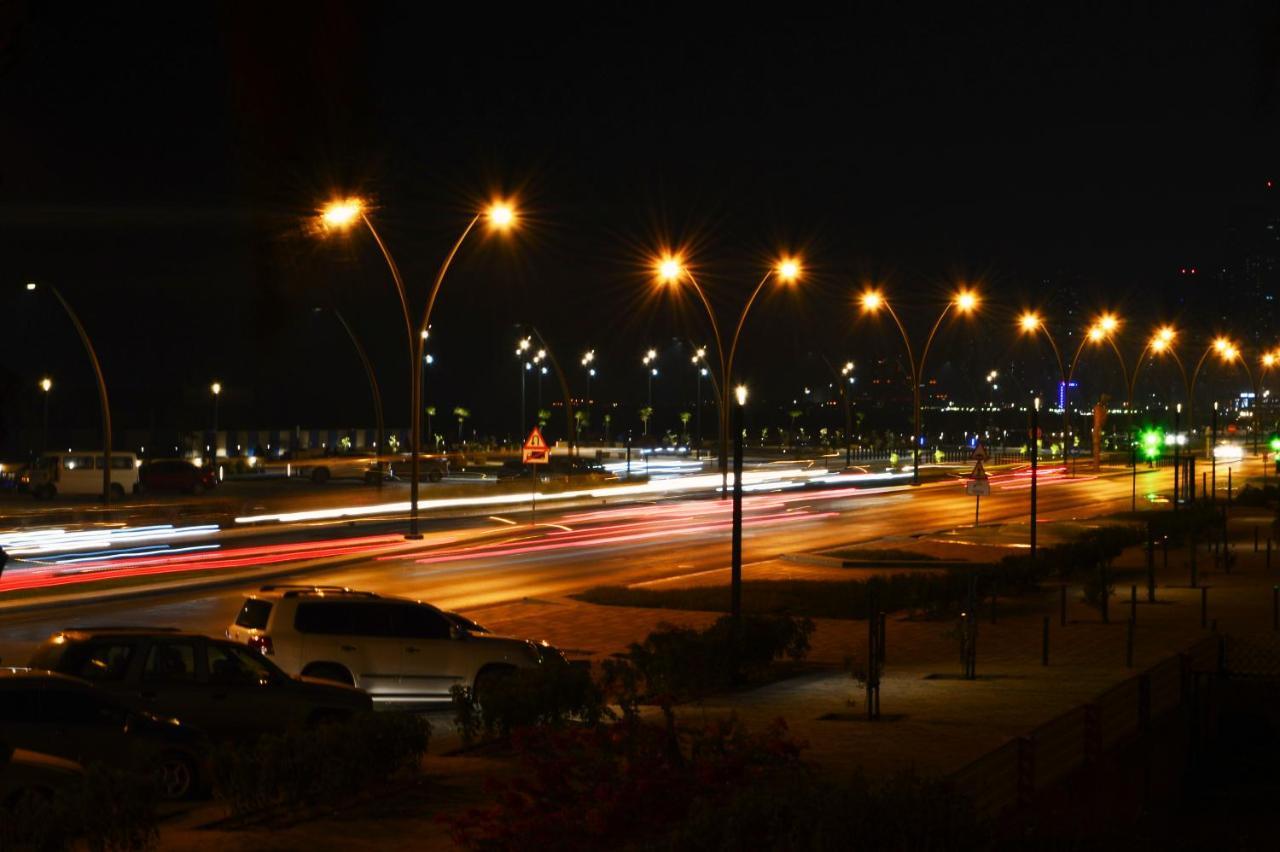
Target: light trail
x=37 y=542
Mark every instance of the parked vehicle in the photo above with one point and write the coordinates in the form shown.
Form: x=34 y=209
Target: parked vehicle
x=218 y=686
x=176 y=475
x=80 y=472
x=321 y=468
x=67 y=717
x=557 y=467
x=25 y=773
x=399 y=650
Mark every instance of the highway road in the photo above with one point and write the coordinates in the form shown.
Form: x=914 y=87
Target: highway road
x=502 y=557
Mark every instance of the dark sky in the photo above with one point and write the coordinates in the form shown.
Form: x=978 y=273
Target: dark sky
x=159 y=167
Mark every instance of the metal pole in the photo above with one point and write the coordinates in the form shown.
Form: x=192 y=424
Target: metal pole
x=1133 y=463
x=697 y=453
x=736 y=566
x=1213 y=461
x=44 y=433
x=1035 y=433
x=1177 y=455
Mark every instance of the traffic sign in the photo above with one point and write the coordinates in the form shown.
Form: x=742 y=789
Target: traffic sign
x=535 y=450
x=979 y=453
x=979 y=487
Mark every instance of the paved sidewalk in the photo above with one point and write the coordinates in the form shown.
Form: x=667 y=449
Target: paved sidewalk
x=932 y=719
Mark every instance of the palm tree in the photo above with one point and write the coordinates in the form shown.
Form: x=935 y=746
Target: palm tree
x=685 y=417
x=608 y=419
x=543 y=416
x=645 y=414
x=462 y=414
x=582 y=419
x=431 y=412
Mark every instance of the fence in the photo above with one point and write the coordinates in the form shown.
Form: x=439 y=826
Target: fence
x=929 y=455
x=1012 y=774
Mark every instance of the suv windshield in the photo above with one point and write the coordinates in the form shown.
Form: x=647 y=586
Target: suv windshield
x=254 y=614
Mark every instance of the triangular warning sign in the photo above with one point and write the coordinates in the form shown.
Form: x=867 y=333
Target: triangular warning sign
x=535 y=440
x=535 y=450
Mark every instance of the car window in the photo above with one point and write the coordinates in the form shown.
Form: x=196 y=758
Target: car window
x=77 y=462
x=230 y=664
x=99 y=661
x=19 y=704
x=170 y=662
x=78 y=707
x=344 y=618
x=254 y=614
x=122 y=463
x=420 y=622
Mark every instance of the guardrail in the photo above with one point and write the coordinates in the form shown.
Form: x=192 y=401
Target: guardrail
x=1011 y=775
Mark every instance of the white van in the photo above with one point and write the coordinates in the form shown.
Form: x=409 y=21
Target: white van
x=80 y=472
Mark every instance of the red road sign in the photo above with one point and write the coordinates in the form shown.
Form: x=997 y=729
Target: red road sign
x=535 y=450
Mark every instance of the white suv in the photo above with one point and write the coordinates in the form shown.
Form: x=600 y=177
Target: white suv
x=397 y=650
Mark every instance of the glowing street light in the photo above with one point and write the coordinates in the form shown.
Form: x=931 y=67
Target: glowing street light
x=343 y=214
x=1029 y=323
x=735 y=565
x=963 y=301
x=1228 y=352
x=216 y=390
x=46 y=385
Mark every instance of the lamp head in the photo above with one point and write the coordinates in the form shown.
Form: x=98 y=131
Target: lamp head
x=871 y=301
x=740 y=392
x=501 y=216
x=342 y=213
x=669 y=268
x=788 y=270
x=1029 y=321
x=46 y=384
x=216 y=387
x=965 y=301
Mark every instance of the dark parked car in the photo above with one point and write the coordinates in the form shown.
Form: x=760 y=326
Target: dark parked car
x=176 y=475
x=46 y=712
x=558 y=467
x=222 y=687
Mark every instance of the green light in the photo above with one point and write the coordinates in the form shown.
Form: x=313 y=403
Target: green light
x=1152 y=441
x=1275 y=443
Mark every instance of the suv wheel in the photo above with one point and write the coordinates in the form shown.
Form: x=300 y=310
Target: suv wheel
x=329 y=671
x=489 y=678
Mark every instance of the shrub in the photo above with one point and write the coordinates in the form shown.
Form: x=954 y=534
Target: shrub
x=550 y=694
x=319 y=765
x=614 y=785
x=106 y=810
x=1253 y=495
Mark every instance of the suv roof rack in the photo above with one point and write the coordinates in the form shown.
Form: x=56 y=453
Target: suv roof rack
x=292 y=590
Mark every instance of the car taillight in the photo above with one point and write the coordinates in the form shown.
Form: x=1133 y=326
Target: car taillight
x=261 y=644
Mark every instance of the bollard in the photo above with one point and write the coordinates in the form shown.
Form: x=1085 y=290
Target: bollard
x=1133 y=604
x=993 y=604
x=1194 y=572
x=1268 y=553
x=1275 y=607
x=1151 y=566
x=1044 y=642
x=1128 y=646
x=1164 y=546
x=1255 y=538
x=1204 y=607
x=1062 y=607
x=1228 y=486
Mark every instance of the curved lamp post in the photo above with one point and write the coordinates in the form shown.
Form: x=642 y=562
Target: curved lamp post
x=1227 y=352
x=964 y=301
x=344 y=214
x=1161 y=343
x=374 y=390
x=1030 y=322
x=1102 y=331
x=102 y=388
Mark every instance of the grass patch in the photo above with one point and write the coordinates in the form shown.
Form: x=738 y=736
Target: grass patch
x=926 y=593
x=878 y=554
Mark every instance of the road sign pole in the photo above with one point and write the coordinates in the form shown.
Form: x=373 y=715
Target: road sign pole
x=1035 y=435
x=977 y=501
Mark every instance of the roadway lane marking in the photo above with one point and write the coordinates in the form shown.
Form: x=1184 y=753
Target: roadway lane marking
x=557 y=526
x=502 y=520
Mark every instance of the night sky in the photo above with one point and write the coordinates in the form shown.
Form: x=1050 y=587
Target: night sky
x=159 y=169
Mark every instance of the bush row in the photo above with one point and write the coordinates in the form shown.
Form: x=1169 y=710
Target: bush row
x=105 y=811
x=320 y=765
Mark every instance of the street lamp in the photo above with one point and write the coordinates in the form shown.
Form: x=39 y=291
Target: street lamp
x=735 y=573
x=1227 y=352
x=1101 y=331
x=588 y=358
x=1030 y=323
x=102 y=387
x=374 y=390
x=216 y=390
x=46 y=385
x=344 y=214
x=963 y=301
x=1161 y=343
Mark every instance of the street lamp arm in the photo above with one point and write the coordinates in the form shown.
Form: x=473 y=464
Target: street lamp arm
x=1191 y=388
x=395 y=275
x=102 y=393
x=906 y=339
x=737 y=333
x=373 y=385
x=435 y=286
x=1124 y=370
x=711 y=374
x=711 y=317
x=928 y=341
x=1057 y=354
